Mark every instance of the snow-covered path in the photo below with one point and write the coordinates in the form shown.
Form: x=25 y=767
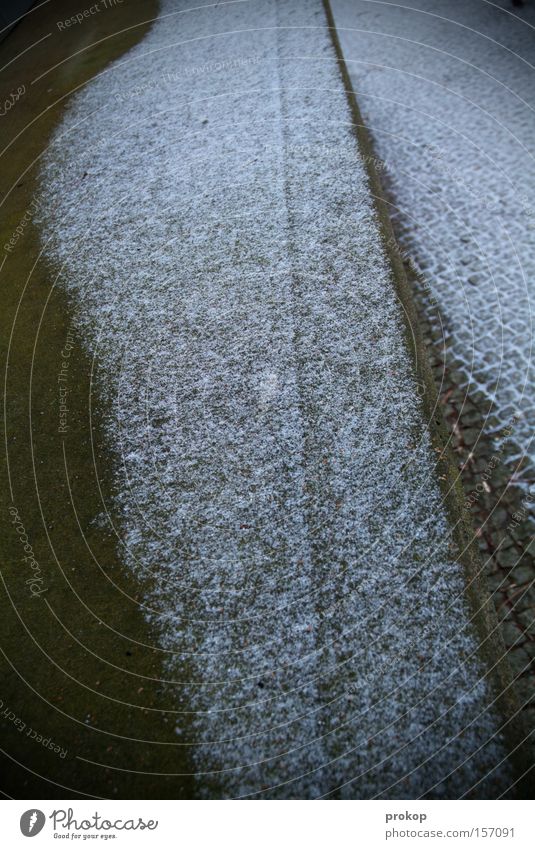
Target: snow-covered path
x=448 y=91
x=275 y=480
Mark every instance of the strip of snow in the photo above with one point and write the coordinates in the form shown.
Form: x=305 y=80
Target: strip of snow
x=274 y=474
x=448 y=91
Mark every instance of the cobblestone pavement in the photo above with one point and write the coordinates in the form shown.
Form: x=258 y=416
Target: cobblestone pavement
x=450 y=109
x=493 y=480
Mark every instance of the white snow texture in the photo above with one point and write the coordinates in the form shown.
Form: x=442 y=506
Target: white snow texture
x=275 y=478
